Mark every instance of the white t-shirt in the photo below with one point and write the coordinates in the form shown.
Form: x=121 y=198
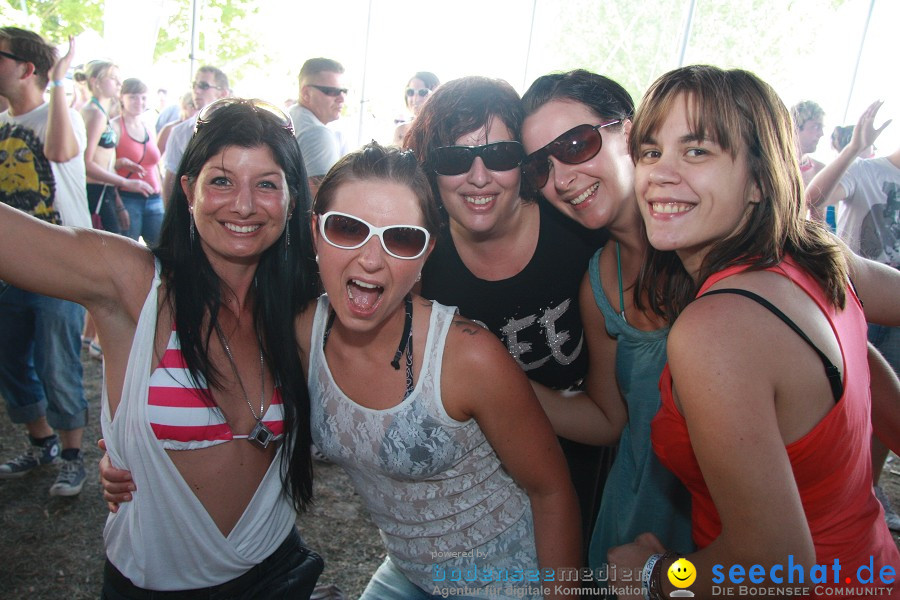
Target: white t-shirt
x=53 y=192
x=319 y=145
x=178 y=141
x=869 y=215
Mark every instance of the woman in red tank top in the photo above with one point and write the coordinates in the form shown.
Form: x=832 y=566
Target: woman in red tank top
x=766 y=415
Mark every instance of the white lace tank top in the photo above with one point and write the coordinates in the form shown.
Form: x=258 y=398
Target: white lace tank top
x=433 y=485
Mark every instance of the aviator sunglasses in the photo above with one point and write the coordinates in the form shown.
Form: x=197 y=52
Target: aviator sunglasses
x=573 y=147
x=347 y=232
x=208 y=111
x=456 y=160
x=334 y=92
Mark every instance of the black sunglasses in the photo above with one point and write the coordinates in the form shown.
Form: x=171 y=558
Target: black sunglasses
x=334 y=92
x=575 y=146
x=13 y=57
x=209 y=111
x=497 y=156
x=203 y=86
x=421 y=92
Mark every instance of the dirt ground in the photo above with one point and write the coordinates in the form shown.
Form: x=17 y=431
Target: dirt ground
x=52 y=548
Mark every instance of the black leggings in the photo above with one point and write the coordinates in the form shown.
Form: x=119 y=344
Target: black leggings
x=290 y=572
x=106 y=196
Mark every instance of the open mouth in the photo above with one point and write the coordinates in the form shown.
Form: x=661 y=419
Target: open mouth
x=363 y=296
x=479 y=201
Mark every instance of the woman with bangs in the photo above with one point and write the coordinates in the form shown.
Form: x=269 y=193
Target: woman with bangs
x=505 y=261
x=576 y=132
x=765 y=411
x=203 y=399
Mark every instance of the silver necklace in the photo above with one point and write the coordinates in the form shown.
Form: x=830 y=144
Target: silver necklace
x=261 y=435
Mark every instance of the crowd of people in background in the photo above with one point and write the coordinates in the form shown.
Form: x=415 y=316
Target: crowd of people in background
x=603 y=357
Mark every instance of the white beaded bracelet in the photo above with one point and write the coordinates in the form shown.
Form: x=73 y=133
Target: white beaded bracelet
x=646 y=572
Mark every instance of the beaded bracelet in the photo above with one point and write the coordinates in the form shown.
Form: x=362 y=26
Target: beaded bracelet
x=647 y=572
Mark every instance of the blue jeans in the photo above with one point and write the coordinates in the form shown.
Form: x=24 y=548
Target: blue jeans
x=146 y=216
x=388 y=583
x=40 y=359
x=887 y=340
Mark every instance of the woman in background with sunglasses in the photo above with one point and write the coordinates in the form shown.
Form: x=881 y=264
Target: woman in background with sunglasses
x=418 y=89
x=440 y=434
x=576 y=132
x=506 y=262
x=204 y=399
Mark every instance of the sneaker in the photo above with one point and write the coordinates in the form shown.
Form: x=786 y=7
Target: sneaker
x=34 y=457
x=891 y=517
x=70 y=479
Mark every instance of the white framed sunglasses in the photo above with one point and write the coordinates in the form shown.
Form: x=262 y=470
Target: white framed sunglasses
x=406 y=242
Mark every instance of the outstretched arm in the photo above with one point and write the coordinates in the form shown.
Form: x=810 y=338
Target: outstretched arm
x=823 y=189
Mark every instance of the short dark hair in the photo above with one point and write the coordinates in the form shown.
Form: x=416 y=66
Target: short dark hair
x=386 y=163
x=314 y=66
x=218 y=74
x=32 y=47
x=133 y=85
x=285 y=275
x=605 y=97
x=459 y=107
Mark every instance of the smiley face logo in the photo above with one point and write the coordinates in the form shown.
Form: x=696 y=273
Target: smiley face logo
x=682 y=573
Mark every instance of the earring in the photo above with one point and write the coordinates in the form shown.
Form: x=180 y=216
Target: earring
x=192 y=228
x=317 y=259
x=419 y=276
x=287 y=239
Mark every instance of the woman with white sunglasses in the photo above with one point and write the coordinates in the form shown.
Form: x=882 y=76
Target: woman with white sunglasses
x=418 y=89
x=433 y=421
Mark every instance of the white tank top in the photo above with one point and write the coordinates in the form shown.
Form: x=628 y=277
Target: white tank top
x=433 y=485
x=164 y=539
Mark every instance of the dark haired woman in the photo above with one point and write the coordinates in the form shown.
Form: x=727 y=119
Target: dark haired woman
x=505 y=261
x=418 y=89
x=204 y=399
x=441 y=433
x=137 y=156
x=576 y=131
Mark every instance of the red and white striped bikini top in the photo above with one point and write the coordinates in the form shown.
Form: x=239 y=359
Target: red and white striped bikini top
x=183 y=417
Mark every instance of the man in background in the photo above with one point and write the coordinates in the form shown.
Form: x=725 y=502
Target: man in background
x=321 y=100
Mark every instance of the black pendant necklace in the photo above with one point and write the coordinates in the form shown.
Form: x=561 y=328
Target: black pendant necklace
x=260 y=435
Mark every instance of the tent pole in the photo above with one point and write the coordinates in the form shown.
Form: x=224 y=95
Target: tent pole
x=862 y=43
x=687 y=33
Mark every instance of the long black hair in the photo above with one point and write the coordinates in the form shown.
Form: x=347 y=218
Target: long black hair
x=285 y=276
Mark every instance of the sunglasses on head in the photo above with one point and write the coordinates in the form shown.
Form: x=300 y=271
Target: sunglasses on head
x=410 y=92
x=497 y=156
x=13 y=56
x=208 y=112
x=345 y=231
x=334 y=92
x=575 y=146
x=203 y=86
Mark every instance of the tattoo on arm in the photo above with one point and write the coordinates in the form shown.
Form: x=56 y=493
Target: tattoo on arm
x=467 y=327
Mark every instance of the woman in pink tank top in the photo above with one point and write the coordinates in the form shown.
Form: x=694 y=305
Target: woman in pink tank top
x=766 y=415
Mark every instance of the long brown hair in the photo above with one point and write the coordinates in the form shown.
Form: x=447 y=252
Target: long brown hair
x=735 y=108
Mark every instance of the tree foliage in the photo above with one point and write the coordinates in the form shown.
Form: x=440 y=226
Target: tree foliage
x=55 y=19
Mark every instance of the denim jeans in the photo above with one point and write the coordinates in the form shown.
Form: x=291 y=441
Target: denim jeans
x=389 y=583
x=40 y=359
x=146 y=216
